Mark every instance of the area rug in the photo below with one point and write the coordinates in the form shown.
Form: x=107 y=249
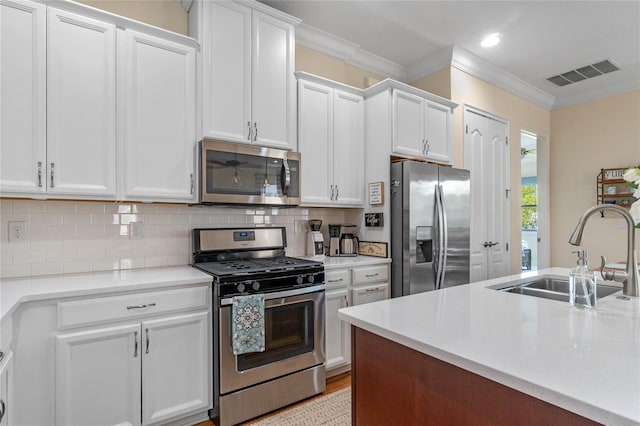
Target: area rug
x=333 y=409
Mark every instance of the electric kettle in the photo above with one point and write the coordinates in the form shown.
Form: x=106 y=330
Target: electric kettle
x=348 y=245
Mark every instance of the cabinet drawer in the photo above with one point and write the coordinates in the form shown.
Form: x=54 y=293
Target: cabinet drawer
x=371 y=274
x=337 y=278
x=101 y=309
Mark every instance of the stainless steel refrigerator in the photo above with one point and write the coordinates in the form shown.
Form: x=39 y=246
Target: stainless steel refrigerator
x=430 y=216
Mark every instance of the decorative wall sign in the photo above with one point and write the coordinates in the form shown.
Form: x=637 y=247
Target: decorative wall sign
x=371 y=248
x=376 y=193
x=613 y=173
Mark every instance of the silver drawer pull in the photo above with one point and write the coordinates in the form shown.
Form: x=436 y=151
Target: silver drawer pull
x=371 y=275
x=146 y=330
x=371 y=290
x=336 y=281
x=135 y=346
x=141 y=306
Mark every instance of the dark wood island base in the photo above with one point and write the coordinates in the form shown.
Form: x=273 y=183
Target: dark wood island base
x=396 y=385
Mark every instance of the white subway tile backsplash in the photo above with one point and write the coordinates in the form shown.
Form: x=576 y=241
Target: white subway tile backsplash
x=85 y=236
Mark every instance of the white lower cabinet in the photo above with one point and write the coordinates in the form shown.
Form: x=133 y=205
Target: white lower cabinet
x=338 y=339
x=151 y=367
x=98 y=376
x=368 y=294
x=346 y=287
x=5 y=389
x=175 y=367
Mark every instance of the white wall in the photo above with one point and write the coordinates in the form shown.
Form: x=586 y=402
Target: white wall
x=85 y=236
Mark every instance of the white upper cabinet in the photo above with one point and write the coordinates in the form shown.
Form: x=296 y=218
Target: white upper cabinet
x=22 y=98
x=248 y=86
x=94 y=106
x=81 y=105
x=331 y=142
x=422 y=127
x=157 y=120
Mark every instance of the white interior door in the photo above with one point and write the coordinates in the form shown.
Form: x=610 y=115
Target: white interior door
x=487 y=158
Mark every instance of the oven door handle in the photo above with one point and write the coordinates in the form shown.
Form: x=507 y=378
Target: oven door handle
x=280 y=294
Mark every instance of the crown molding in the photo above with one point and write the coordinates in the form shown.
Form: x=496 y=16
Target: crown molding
x=468 y=62
x=347 y=51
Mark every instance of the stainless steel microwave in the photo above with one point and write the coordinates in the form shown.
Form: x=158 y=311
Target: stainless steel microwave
x=232 y=173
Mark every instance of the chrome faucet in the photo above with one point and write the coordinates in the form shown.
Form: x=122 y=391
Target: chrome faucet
x=629 y=278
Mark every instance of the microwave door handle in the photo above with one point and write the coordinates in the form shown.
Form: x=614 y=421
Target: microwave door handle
x=286 y=172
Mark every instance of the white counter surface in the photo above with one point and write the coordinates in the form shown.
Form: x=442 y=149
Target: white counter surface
x=20 y=290
x=585 y=361
x=348 y=261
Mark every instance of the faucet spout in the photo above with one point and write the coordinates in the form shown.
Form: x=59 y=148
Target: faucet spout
x=630 y=279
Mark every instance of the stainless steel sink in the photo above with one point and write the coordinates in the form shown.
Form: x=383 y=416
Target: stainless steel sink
x=551 y=288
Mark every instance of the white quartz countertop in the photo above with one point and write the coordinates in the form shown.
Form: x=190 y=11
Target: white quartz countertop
x=16 y=291
x=585 y=361
x=348 y=261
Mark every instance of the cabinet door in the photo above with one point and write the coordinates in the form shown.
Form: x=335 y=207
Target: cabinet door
x=338 y=342
x=22 y=97
x=315 y=109
x=273 y=83
x=437 y=132
x=226 y=47
x=368 y=294
x=176 y=368
x=408 y=124
x=5 y=389
x=81 y=105
x=348 y=151
x=98 y=376
x=157 y=100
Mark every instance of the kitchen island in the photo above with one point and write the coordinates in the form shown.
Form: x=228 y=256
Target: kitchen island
x=474 y=355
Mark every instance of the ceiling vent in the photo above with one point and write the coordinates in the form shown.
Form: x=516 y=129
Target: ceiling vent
x=590 y=71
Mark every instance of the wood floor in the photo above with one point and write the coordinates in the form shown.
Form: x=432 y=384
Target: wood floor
x=334 y=384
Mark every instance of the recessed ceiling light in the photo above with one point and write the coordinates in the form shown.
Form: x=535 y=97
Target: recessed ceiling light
x=490 y=40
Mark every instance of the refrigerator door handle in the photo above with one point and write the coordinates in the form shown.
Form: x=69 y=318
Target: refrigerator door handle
x=444 y=236
x=440 y=218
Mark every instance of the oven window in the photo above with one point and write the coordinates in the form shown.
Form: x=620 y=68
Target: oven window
x=288 y=332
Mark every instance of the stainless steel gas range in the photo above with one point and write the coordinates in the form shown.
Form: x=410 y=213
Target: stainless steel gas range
x=246 y=261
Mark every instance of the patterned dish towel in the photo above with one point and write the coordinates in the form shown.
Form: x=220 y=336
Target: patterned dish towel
x=247 y=316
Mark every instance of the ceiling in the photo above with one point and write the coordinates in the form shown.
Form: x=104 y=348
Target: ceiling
x=406 y=40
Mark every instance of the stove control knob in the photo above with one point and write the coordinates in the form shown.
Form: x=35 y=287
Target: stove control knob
x=255 y=285
x=299 y=280
x=311 y=278
x=240 y=287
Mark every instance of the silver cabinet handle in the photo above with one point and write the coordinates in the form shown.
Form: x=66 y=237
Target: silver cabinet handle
x=337 y=192
x=191 y=178
x=1 y=356
x=423 y=145
x=3 y=409
x=39 y=174
x=371 y=275
x=53 y=165
x=371 y=290
x=427 y=147
x=249 y=133
x=336 y=281
x=141 y=306
x=146 y=330
x=135 y=345
x=346 y=301
x=331 y=192
x=255 y=131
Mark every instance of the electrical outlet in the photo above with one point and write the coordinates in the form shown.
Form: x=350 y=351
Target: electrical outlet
x=300 y=226
x=136 y=230
x=17 y=232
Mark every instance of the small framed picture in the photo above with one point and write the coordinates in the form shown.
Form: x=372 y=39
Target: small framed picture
x=376 y=193
x=371 y=248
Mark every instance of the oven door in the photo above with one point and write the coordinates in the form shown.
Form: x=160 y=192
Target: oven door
x=294 y=339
